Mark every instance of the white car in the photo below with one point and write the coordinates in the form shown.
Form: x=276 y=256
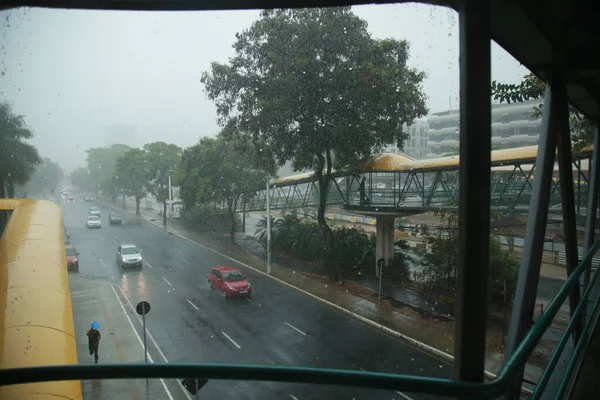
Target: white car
x=128 y=255
x=93 y=221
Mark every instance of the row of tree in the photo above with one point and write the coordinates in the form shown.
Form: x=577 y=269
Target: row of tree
x=23 y=171
x=120 y=169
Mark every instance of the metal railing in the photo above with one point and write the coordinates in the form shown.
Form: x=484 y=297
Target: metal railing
x=416 y=384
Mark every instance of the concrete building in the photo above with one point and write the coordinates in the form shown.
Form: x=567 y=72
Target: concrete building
x=416 y=145
x=513 y=125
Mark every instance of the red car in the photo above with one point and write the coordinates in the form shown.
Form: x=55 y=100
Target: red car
x=230 y=282
x=72 y=260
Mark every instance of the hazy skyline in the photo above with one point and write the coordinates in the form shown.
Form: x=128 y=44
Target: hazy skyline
x=84 y=77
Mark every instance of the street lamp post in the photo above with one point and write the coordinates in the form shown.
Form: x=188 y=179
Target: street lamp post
x=268 y=228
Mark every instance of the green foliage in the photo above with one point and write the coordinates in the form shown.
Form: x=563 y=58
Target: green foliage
x=303 y=240
x=439 y=252
x=207 y=218
x=18 y=159
x=46 y=177
x=313 y=83
x=161 y=161
x=532 y=87
x=101 y=164
x=503 y=269
x=80 y=178
x=132 y=173
x=221 y=170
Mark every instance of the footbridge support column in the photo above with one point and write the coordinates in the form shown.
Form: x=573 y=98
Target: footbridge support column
x=385 y=240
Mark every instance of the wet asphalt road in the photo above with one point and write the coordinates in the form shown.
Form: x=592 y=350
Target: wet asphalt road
x=279 y=326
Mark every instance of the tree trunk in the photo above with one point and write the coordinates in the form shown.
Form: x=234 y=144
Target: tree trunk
x=124 y=207
x=324 y=181
x=137 y=206
x=2 y=189
x=232 y=206
x=165 y=213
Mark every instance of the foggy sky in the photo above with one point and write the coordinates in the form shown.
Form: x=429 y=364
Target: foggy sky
x=88 y=78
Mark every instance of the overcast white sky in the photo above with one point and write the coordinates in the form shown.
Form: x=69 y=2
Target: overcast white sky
x=89 y=78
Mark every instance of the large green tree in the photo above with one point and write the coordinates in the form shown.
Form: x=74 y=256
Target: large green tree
x=161 y=161
x=532 y=87
x=222 y=170
x=80 y=178
x=46 y=177
x=132 y=172
x=101 y=163
x=313 y=83
x=18 y=158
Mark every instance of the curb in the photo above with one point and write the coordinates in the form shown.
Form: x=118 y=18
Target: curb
x=415 y=342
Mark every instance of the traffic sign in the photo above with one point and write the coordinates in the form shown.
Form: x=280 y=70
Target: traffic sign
x=143 y=308
x=193 y=385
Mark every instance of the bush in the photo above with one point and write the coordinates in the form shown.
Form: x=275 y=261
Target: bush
x=303 y=240
x=208 y=219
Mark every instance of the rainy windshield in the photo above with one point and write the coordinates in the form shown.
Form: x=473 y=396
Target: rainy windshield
x=233 y=276
x=71 y=252
x=314 y=150
x=129 y=250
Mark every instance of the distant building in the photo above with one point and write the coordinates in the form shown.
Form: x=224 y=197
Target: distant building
x=513 y=125
x=416 y=145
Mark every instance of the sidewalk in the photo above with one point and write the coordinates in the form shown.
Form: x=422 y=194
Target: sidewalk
x=433 y=334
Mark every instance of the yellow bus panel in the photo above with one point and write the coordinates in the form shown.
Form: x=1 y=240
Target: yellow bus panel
x=36 y=325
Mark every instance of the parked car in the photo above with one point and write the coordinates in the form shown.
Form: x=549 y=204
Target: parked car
x=93 y=221
x=114 y=219
x=72 y=258
x=230 y=282
x=128 y=255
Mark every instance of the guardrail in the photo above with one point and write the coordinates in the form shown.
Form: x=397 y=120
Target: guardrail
x=447 y=387
x=36 y=326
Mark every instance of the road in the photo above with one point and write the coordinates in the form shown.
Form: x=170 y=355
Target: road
x=280 y=326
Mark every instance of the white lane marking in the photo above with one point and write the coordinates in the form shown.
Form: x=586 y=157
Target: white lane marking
x=188 y=263
x=156 y=346
x=193 y=305
x=425 y=348
x=168 y=283
x=248 y=300
x=296 y=329
x=140 y=340
x=231 y=340
x=293 y=397
x=148 y=264
x=405 y=396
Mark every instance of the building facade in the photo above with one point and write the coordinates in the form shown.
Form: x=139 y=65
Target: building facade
x=416 y=145
x=513 y=125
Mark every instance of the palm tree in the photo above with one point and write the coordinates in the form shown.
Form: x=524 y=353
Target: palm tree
x=17 y=158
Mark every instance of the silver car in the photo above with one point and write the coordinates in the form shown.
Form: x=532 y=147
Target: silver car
x=128 y=255
x=93 y=221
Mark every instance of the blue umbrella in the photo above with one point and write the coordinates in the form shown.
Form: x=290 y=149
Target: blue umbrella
x=95 y=325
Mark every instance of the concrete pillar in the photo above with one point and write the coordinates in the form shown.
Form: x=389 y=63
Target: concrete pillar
x=385 y=240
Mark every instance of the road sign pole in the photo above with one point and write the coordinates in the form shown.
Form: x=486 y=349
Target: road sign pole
x=197 y=385
x=268 y=228
x=145 y=348
x=380 y=264
x=143 y=308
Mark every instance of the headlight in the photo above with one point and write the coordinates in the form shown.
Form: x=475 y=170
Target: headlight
x=230 y=287
x=75 y=260
x=249 y=285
